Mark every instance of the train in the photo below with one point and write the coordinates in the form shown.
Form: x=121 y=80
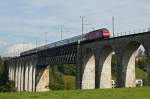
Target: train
x=93 y=35
x=98 y=34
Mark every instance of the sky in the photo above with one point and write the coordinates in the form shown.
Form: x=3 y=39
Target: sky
x=25 y=24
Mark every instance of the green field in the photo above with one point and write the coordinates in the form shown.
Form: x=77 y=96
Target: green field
x=123 y=93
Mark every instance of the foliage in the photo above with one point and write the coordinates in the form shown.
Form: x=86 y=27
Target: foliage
x=67 y=69
x=114 y=67
x=9 y=86
x=1 y=66
x=5 y=84
x=142 y=62
x=140 y=74
x=62 y=77
x=55 y=79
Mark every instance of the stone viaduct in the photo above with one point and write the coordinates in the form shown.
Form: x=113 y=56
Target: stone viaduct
x=93 y=63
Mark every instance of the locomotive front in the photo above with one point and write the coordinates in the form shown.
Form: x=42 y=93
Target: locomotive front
x=98 y=34
x=105 y=33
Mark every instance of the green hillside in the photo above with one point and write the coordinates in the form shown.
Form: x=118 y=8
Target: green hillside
x=69 y=82
x=140 y=74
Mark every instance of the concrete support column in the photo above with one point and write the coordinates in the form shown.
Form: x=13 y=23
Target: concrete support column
x=9 y=76
x=30 y=77
x=34 y=79
x=26 y=78
x=19 y=76
x=130 y=71
x=22 y=77
x=105 y=75
x=79 y=63
x=120 y=82
x=16 y=77
x=88 y=74
x=97 y=71
x=126 y=67
x=13 y=72
x=24 y=70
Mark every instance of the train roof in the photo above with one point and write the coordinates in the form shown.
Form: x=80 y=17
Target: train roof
x=55 y=44
x=58 y=43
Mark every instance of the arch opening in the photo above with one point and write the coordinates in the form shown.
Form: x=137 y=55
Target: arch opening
x=42 y=80
x=133 y=70
x=88 y=76
x=141 y=67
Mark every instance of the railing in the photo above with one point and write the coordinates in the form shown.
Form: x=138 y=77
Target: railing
x=131 y=32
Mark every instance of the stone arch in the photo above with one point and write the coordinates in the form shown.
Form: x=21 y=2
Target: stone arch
x=128 y=62
x=105 y=77
x=88 y=76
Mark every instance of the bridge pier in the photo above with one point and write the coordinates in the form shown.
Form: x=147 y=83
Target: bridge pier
x=22 y=78
x=79 y=66
x=34 y=78
x=19 y=77
x=105 y=67
x=126 y=65
x=9 y=74
x=26 y=77
x=30 y=77
x=16 y=77
x=13 y=72
x=119 y=81
x=88 y=71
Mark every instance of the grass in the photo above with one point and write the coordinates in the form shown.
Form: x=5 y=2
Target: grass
x=69 y=82
x=123 y=93
x=140 y=74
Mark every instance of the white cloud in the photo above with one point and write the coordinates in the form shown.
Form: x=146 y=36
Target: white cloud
x=3 y=43
x=16 y=49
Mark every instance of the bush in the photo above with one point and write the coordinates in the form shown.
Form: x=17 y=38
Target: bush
x=62 y=77
x=1 y=67
x=55 y=79
x=67 y=69
x=9 y=86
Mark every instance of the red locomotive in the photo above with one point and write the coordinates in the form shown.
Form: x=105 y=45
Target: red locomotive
x=98 y=34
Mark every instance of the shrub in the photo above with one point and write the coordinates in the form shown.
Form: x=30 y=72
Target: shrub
x=55 y=79
x=9 y=86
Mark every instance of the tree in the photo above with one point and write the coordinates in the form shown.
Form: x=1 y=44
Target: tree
x=142 y=61
x=55 y=79
x=1 y=66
